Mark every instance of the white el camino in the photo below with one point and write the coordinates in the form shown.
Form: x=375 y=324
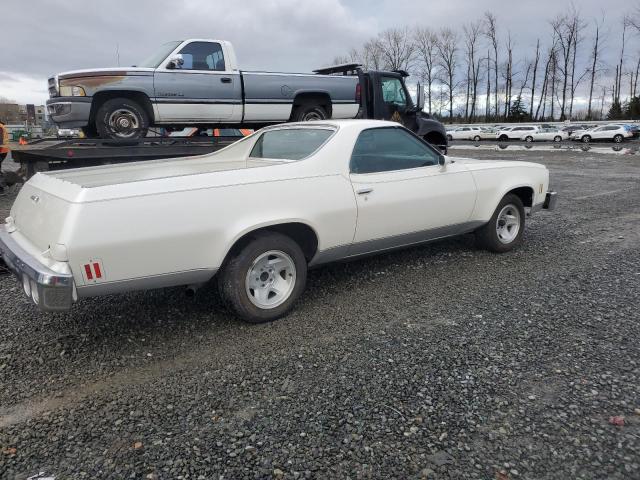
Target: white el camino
x=258 y=214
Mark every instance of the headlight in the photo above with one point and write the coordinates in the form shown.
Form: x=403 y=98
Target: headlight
x=74 y=91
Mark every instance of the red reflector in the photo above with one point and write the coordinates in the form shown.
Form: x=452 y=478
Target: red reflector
x=358 y=93
x=87 y=270
x=96 y=267
x=69 y=153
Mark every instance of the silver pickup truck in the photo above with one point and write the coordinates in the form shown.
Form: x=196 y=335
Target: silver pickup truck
x=193 y=82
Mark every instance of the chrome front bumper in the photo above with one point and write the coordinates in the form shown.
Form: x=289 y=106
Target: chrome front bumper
x=49 y=290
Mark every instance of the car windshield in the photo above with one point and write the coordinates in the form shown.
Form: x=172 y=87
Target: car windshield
x=290 y=143
x=156 y=59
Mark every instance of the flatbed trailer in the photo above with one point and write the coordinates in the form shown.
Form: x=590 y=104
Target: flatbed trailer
x=55 y=154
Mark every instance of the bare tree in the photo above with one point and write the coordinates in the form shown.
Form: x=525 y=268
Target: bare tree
x=447 y=47
x=471 y=38
x=426 y=52
x=535 y=74
x=396 y=48
x=595 y=55
x=491 y=33
x=508 y=77
x=565 y=27
x=618 y=80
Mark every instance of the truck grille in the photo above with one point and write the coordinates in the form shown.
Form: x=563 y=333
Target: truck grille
x=53 y=87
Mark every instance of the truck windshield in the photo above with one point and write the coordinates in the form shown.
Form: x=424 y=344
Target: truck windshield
x=290 y=143
x=156 y=59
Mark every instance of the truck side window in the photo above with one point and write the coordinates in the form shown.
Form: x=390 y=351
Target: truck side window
x=393 y=91
x=203 y=56
x=388 y=149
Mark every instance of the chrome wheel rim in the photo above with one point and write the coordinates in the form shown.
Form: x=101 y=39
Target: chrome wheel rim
x=311 y=116
x=508 y=223
x=270 y=279
x=123 y=123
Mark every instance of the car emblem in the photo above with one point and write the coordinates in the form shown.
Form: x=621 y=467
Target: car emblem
x=35 y=198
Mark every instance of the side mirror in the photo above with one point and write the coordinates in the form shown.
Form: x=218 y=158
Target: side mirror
x=175 y=62
x=442 y=161
x=420 y=98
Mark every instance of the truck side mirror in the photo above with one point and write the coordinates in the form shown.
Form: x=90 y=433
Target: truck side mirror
x=420 y=98
x=175 y=61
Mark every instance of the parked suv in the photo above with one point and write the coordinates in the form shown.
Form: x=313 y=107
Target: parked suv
x=616 y=133
x=463 y=133
x=515 y=133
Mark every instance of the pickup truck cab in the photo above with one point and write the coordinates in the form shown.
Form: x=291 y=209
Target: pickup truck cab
x=193 y=82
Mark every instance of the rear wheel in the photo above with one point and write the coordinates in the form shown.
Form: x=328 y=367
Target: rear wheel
x=503 y=138
x=557 y=138
x=586 y=138
x=309 y=112
x=529 y=138
x=618 y=138
x=477 y=138
x=262 y=281
x=504 y=231
x=449 y=137
x=121 y=119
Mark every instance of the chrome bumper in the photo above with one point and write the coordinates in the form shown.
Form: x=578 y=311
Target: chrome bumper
x=49 y=290
x=69 y=112
x=550 y=201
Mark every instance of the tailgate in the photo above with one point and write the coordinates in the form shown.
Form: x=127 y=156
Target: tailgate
x=39 y=215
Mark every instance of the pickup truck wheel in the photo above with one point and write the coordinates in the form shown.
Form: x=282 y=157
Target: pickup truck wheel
x=263 y=280
x=504 y=231
x=309 y=112
x=121 y=119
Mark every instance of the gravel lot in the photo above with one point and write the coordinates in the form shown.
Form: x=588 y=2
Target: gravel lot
x=438 y=362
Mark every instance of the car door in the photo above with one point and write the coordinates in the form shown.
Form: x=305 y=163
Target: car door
x=403 y=194
x=199 y=90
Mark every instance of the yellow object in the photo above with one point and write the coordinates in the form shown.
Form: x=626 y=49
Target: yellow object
x=4 y=139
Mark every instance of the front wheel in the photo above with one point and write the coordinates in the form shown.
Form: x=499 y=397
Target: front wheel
x=529 y=139
x=262 y=281
x=503 y=138
x=121 y=119
x=504 y=230
x=557 y=138
x=618 y=139
x=476 y=138
x=586 y=139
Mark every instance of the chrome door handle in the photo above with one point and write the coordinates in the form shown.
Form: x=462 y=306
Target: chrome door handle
x=364 y=191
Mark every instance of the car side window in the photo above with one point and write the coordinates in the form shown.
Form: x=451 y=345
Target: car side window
x=203 y=56
x=387 y=149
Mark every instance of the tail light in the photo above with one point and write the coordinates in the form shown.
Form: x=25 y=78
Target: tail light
x=358 y=93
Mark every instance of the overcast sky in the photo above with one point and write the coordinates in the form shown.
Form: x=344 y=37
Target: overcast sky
x=43 y=37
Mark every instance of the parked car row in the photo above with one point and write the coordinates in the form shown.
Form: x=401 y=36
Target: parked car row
x=616 y=132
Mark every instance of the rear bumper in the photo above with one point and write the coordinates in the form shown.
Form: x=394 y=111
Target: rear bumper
x=51 y=291
x=69 y=112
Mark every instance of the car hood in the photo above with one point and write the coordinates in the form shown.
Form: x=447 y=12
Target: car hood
x=105 y=72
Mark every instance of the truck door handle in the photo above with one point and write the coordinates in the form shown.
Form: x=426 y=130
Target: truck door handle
x=225 y=80
x=364 y=191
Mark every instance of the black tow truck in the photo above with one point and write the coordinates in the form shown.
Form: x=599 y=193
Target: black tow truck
x=383 y=96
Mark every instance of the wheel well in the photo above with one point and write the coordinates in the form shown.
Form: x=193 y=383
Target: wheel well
x=525 y=194
x=313 y=98
x=101 y=97
x=300 y=233
x=435 y=138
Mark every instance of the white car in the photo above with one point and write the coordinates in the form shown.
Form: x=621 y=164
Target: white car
x=463 y=133
x=549 y=134
x=515 y=133
x=616 y=133
x=258 y=213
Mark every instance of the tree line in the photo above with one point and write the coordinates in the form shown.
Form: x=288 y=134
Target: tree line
x=471 y=73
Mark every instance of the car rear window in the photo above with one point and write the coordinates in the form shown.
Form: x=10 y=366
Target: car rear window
x=290 y=143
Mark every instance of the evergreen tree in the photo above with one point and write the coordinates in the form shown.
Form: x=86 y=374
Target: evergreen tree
x=518 y=111
x=632 y=109
x=615 y=112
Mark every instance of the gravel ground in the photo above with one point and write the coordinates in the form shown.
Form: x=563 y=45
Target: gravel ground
x=438 y=362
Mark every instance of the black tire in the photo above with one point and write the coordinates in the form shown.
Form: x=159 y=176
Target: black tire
x=503 y=138
x=618 y=138
x=232 y=278
x=477 y=138
x=449 y=137
x=2 y=157
x=557 y=138
x=586 y=138
x=529 y=139
x=487 y=235
x=308 y=112
x=121 y=119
